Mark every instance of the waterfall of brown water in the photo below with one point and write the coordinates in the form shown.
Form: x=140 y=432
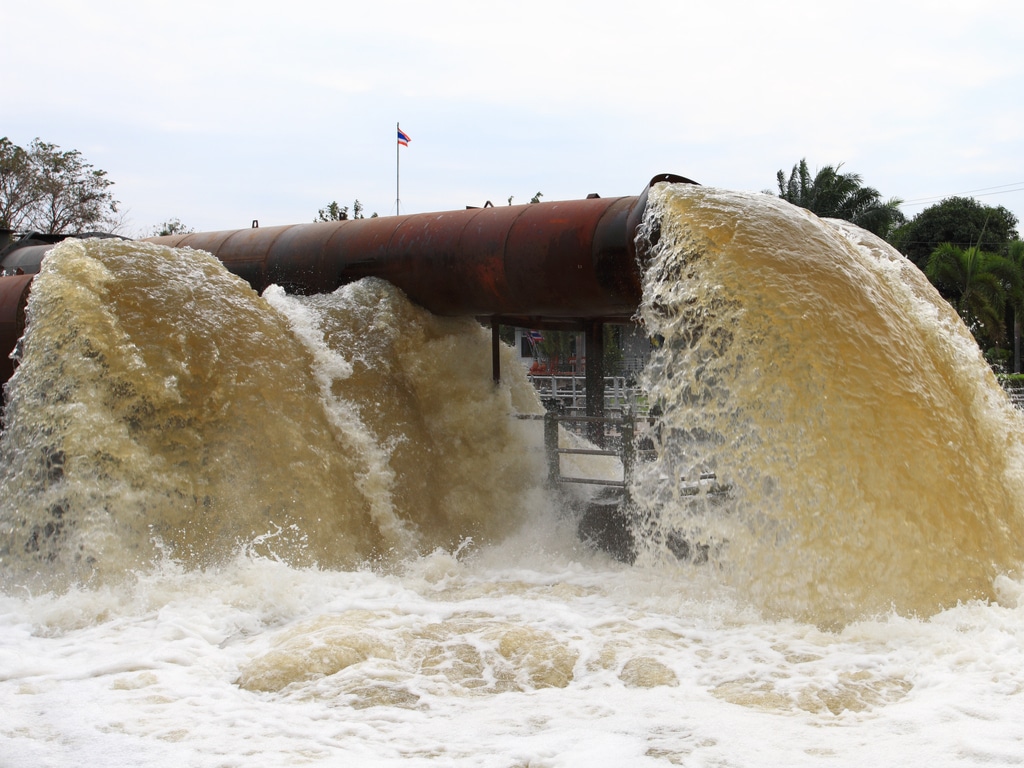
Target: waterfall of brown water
x=163 y=407
x=872 y=459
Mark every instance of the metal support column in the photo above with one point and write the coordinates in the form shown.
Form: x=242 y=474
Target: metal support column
x=595 y=378
x=495 y=352
x=551 y=447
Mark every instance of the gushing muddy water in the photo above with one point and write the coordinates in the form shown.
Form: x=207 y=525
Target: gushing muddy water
x=244 y=530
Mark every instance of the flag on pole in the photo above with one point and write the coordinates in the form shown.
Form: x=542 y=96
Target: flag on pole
x=403 y=141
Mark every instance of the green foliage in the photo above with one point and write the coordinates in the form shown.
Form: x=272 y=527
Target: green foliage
x=613 y=355
x=998 y=359
x=533 y=200
x=1015 y=253
x=979 y=285
x=507 y=333
x=961 y=221
x=335 y=212
x=45 y=189
x=171 y=227
x=559 y=349
x=16 y=195
x=831 y=194
x=558 y=346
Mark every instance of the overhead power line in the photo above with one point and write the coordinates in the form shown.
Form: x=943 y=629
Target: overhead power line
x=1001 y=189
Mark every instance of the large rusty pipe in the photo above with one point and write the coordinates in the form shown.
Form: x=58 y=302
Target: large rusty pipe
x=540 y=264
x=553 y=264
x=552 y=260
x=13 y=298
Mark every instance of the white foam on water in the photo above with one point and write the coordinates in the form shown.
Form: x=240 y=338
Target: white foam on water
x=495 y=660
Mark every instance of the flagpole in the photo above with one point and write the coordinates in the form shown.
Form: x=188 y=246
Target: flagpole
x=402 y=141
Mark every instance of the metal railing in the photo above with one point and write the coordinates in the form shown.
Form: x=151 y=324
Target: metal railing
x=621 y=443
x=625 y=452
x=568 y=391
x=616 y=440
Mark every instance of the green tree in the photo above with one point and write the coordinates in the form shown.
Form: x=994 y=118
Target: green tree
x=17 y=193
x=171 y=227
x=559 y=347
x=1016 y=255
x=978 y=284
x=46 y=189
x=960 y=221
x=335 y=212
x=831 y=194
x=533 y=200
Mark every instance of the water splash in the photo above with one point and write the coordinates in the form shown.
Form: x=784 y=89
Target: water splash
x=871 y=459
x=162 y=408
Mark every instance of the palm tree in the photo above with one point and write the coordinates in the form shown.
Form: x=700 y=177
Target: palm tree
x=831 y=194
x=1016 y=255
x=978 y=284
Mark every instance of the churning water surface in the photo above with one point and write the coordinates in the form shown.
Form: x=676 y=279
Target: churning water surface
x=244 y=530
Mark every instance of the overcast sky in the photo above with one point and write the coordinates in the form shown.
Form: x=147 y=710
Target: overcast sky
x=218 y=113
